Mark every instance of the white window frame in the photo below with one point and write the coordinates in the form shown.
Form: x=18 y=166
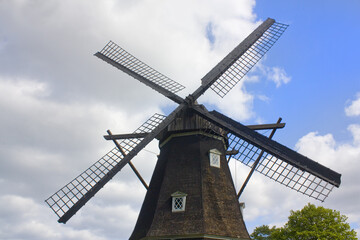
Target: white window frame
x=182 y=197
x=214 y=158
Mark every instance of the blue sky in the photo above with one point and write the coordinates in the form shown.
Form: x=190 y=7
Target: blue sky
x=319 y=51
x=57 y=100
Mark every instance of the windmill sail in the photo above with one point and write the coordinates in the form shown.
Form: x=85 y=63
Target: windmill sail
x=278 y=162
x=289 y=174
x=121 y=59
x=69 y=199
x=228 y=72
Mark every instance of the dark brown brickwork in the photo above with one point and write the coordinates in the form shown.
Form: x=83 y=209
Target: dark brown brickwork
x=211 y=204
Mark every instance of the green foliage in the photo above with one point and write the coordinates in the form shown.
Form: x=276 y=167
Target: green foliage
x=262 y=233
x=309 y=223
x=265 y=233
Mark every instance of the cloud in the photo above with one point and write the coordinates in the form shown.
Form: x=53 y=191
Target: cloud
x=338 y=156
x=278 y=76
x=26 y=219
x=41 y=136
x=238 y=103
x=40 y=149
x=274 y=74
x=354 y=108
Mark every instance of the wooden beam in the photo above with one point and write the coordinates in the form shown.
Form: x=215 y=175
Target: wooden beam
x=130 y=163
x=232 y=152
x=125 y=136
x=266 y=126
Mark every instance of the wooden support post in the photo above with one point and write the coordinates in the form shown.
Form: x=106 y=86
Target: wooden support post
x=256 y=163
x=266 y=126
x=130 y=163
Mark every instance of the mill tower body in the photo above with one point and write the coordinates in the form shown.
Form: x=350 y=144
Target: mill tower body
x=191 y=193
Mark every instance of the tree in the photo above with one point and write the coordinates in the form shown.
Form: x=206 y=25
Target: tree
x=309 y=223
x=263 y=233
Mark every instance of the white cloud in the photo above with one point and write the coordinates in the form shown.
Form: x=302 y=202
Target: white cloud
x=27 y=219
x=238 y=102
x=46 y=143
x=354 y=108
x=343 y=158
x=278 y=76
x=355 y=131
x=275 y=74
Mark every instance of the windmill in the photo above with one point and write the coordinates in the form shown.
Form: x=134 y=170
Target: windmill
x=191 y=194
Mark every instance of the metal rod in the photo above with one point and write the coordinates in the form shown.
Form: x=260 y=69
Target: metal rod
x=130 y=163
x=255 y=164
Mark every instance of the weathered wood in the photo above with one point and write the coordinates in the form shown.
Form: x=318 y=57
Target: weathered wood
x=266 y=126
x=232 y=57
x=142 y=79
x=232 y=152
x=130 y=163
x=125 y=136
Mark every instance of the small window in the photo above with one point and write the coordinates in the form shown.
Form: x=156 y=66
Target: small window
x=178 y=201
x=214 y=156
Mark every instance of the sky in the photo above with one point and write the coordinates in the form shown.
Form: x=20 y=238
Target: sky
x=57 y=100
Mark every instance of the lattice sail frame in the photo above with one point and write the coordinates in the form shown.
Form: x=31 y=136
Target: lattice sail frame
x=279 y=170
x=125 y=59
x=274 y=167
x=245 y=63
x=61 y=201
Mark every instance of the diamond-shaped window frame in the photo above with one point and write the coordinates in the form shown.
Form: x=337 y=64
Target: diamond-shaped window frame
x=178 y=201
